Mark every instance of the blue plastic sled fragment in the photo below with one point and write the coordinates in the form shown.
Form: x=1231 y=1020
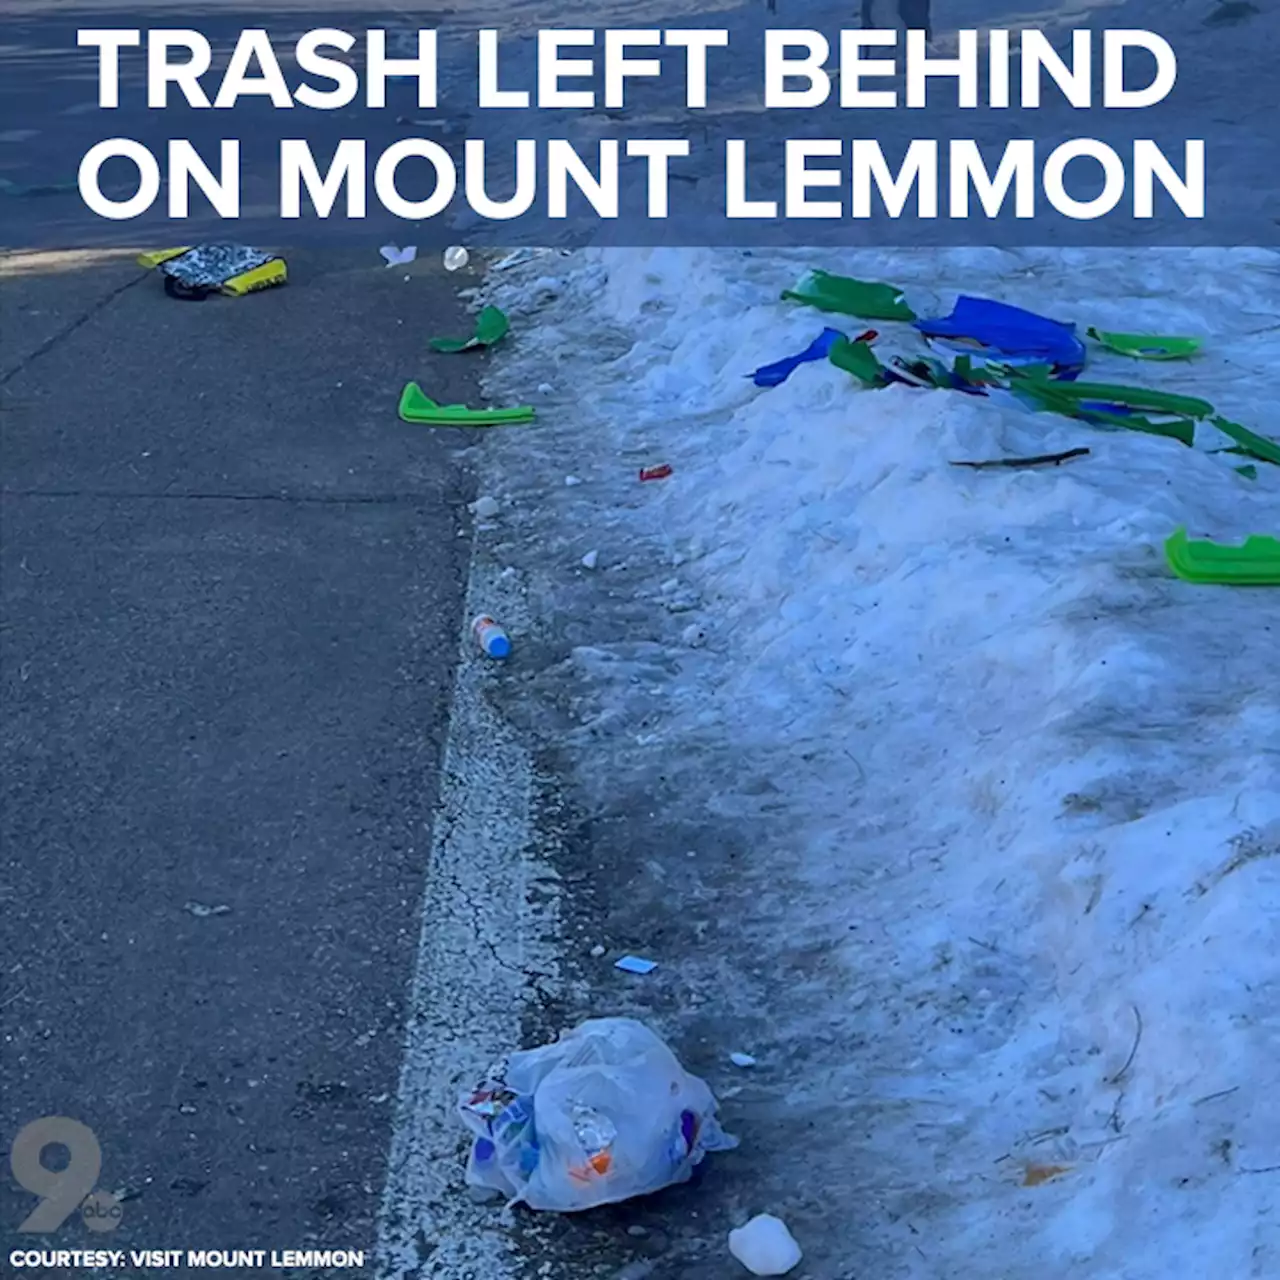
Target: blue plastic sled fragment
x=999 y=331
x=774 y=375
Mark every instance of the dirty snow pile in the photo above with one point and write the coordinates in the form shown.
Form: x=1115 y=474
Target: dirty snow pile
x=1031 y=780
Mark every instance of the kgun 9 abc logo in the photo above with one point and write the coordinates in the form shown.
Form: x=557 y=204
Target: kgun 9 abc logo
x=63 y=1191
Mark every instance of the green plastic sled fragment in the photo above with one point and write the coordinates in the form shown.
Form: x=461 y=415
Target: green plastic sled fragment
x=1256 y=563
x=1146 y=346
x=417 y=406
x=1140 y=399
x=1250 y=443
x=858 y=359
x=491 y=327
x=865 y=299
x=1181 y=429
x=1250 y=472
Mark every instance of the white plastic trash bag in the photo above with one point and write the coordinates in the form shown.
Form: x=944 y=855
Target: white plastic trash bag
x=605 y=1113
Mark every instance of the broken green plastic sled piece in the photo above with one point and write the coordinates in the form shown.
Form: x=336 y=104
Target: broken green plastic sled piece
x=491 y=327
x=1250 y=443
x=858 y=359
x=417 y=406
x=1146 y=346
x=1073 y=397
x=865 y=299
x=1255 y=563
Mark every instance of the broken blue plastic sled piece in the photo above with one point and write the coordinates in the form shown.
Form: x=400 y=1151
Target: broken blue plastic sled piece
x=634 y=964
x=1001 y=332
x=774 y=375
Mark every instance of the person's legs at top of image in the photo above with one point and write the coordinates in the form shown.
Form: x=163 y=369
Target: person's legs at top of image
x=916 y=16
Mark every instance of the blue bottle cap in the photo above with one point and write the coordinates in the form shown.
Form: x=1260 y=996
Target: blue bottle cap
x=499 y=647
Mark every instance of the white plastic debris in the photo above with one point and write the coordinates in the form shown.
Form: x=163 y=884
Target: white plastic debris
x=571 y=481
x=514 y=259
x=455 y=258
x=764 y=1246
x=399 y=257
x=635 y=964
x=545 y=388
x=485 y=508
x=742 y=1060
x=591 y=559
x=604 y=1114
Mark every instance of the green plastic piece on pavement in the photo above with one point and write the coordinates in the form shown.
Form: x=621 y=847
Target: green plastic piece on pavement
x=865 y=299
x=1255 y=563
x=858 y=359
x=1250 y=443
x=492 y=326
x=417 y=406
x=1250 y=472
x=1146 y=346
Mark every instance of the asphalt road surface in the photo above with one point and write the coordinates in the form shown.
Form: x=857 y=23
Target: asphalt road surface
x=232 y=583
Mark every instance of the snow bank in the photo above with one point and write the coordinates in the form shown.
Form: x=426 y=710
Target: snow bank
x=1030 y=779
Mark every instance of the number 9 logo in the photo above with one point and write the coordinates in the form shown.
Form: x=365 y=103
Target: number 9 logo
x=62 y=1191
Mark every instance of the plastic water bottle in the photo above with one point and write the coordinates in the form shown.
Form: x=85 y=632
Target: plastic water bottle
x=490 y=637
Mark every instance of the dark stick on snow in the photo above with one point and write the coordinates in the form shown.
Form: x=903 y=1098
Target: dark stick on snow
x=1133 y=1053
x=1040 y=460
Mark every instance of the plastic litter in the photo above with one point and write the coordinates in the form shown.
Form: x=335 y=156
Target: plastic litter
x=635 y=964
x=1255 y=563
x=1145 y=346
x=765 y=1247
x=192 y=273
x=490 y=637
x=516 y=258
x=1249 y=442
x=398 y=257
x=742 y=1060
x=868 y=300
x=997 y=331
x=655 y=473
x=858 y=359
x=202 y=912
x=455 y=258
x=774 y=375
x=1109 y=404
x=485 y=507
x=590 y=560
x=417 y=406
x=604 y=1114
x=492 y=326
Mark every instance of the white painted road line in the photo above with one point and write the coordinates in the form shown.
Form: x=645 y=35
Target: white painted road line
x=479 y=938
